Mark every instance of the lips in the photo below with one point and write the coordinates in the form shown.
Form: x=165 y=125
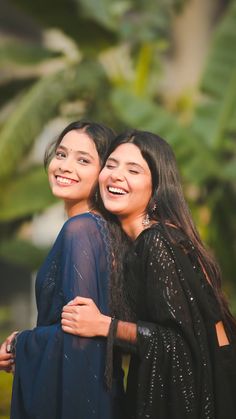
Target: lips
x=64 y=181
x=116 y=191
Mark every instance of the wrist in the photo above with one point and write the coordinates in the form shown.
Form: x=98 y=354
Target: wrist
x=104 y=325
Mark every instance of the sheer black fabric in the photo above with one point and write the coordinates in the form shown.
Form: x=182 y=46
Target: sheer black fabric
x=58 y=375
x=179 y=370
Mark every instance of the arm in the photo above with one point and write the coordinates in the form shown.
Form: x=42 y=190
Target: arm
x=82 y=317
x=163 y=296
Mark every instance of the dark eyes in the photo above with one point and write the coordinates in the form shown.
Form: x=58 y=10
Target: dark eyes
x=83 y=161
x=60 y=154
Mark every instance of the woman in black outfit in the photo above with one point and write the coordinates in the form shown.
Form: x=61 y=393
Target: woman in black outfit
x=183 y=338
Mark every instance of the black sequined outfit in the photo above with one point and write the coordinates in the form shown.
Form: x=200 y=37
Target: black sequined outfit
x=179 y=371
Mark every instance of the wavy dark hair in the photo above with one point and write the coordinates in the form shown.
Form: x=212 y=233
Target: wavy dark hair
x=168 y=205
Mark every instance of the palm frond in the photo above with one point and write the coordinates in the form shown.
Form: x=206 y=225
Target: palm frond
x=23 y=53
x=143 y=113
x=215 y=117
x=221 y=62
x=38 y=105
x=25 y=195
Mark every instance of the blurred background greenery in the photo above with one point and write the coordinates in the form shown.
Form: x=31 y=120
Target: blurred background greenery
x=168 y=66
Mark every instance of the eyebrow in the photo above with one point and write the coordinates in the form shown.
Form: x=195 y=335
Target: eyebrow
x=129 y=163
x=81 y=152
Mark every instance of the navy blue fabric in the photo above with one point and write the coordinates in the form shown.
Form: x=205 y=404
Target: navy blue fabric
x=58 y=375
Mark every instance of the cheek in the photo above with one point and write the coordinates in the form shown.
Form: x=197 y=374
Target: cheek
x=52 y=165
x=143 y=191
x=102 y=177
x=94 y=173
x=50 y=168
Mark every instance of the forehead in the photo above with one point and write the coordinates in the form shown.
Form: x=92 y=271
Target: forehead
x=129 y=153
x=78 y=141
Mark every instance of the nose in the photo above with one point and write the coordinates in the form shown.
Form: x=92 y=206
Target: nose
x=66 y=165
x=117 y=174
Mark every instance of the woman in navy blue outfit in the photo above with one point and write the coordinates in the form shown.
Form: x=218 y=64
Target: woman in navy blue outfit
x=57 y=375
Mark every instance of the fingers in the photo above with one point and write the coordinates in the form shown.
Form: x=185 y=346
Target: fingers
x=6 y=344
x=68 y=318
x=6 y=361
x=71 y=309
x=80 y=301
x=12 y=335
x=69 y=326
x=68 y=329
x=4 y=357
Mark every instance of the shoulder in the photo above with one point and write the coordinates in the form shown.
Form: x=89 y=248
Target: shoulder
x=86 y=224
x=152 y=236
x=167 y=241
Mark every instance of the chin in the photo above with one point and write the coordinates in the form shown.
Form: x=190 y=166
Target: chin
x=113 y=209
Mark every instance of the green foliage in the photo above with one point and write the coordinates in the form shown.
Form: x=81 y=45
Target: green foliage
x=38 y=105
x=5 y=394
x=22 y=252
x=217 y=113
x=23 y=53
x=26 y=195
x=143 y=113
x=204 y=144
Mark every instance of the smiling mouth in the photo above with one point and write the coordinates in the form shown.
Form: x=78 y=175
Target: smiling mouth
x=116 y=191
x=65 y=181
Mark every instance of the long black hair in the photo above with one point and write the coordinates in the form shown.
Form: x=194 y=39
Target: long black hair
x=168 y=206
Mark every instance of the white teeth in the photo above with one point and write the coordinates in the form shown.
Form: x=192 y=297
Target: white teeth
x=64 y=180
x=116 y=190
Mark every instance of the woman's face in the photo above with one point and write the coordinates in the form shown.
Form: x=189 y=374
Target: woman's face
x=126 y=182
x=73 y=171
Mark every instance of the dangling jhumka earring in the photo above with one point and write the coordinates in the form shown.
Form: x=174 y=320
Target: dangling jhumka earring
x=146 y=221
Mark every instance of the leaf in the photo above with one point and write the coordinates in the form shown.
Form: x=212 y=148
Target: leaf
x=26 y=195
x=23 y=253
x=215 y=116
x=23 y=53
x=221 y=63
x=141 y=113
x=90 y=35
x=103 y=11
x=38 y=105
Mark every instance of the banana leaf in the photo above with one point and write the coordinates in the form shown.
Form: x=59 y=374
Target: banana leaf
x=26 y=195
x=40 y=104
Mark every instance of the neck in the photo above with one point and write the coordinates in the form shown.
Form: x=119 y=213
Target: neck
x=132 y=226
x=75 y=208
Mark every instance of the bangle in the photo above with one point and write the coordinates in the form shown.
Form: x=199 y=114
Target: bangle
x=109 y=353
